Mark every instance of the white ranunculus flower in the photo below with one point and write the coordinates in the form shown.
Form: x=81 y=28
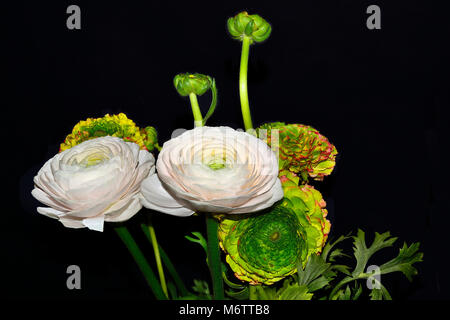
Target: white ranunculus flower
x=98 y=180
x=213 y=169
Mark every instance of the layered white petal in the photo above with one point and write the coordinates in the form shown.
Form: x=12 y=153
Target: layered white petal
x=214 y=169
x=156 y=197
x=98 y=180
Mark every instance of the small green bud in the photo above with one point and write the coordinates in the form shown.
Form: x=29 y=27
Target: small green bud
x=187 y=83
x=252 y=26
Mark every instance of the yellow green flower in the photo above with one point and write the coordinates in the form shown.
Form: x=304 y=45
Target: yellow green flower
x=309 y=205
x=117 y=125
x=302 y=149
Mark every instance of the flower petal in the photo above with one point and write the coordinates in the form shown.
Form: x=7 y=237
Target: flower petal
x=95 y=223
x=156 y=197
x=123 y=210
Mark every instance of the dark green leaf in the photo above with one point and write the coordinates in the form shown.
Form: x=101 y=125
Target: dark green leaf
x=318 y=283
x=404 y=261
x=314 y=268
x=326 y=250
x=363 y=253
x=295 y=292
x=376 y=294
x=199 y=239
x=357 y=290
x=202 y=288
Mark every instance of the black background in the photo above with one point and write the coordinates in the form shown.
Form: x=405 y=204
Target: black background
x=379 y=95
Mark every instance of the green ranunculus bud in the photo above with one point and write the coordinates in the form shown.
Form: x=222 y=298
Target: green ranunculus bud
x=302 y=149
x=150 y=138
x=264 y=248
x=187 y=83
x=252 y=26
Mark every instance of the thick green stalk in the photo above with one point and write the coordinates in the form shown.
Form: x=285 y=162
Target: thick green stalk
x=243 y=90
x=168 y=264
x=214 y=262
x=155 y=245
x=198 y=119
x=142 y=263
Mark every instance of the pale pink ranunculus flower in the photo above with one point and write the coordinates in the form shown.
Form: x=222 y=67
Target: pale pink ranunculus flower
x=213 y=169
x=98 y=180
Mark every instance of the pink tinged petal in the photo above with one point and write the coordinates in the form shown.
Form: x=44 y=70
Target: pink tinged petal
x=179 y=212
x=95 y=223
x=91 y=211
x=50 y=212
x=145 y=156
x=277 y=194
x=123 y=210
x=72 y=223
x=155 y=197
x=44 y=198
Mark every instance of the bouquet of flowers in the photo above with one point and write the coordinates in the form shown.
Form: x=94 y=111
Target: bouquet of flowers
x=266 y=224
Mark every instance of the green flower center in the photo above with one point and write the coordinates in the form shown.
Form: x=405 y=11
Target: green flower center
x=275 y=236
x=93 y=159
x=272 y=241
x=215 y=160
x=216 y=166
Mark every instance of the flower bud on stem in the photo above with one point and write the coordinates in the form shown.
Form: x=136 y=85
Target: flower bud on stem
x=248 y=29
x=194 y=85
x=243 y=90
x=198 y=119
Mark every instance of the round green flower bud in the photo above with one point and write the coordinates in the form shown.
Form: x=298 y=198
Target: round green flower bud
x=302 y=149
x=264 y=248
x=187 y=83
x=252 y=26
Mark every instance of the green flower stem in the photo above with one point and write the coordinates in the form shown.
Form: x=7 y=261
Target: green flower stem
x=142 y=263
x=168 y=264
x=243 y=91
x=198 y=119
x=214 y=262
x=212 y=226
x=155 y=245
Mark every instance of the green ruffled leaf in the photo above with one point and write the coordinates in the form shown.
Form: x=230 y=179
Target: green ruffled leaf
x=407 y=256
x=404 y=261
x=295 y=292
x=379 y=293
x=198 y=239
x=290 y=291
x=315 y=267
x=363 y=253
x=357 y=290
x=202 y=289
x=329 y=246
